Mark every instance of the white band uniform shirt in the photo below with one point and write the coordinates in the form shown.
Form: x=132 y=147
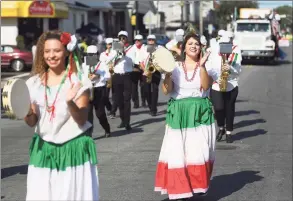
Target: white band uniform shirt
x=100 y=69
x=125 y=64
x=235 y=60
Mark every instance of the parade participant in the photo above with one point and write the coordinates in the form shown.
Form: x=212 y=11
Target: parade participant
x=136 y=75
x=187 y=153
x=175 y=44
x=224 y=92
x=151 y=82
x=122 y=84
x=99 y=75
x=104 y=57
x=63 y=157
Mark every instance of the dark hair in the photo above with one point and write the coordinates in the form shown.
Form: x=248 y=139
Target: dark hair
x=186 y=38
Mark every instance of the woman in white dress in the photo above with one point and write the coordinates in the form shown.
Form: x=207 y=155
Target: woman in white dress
x=187 y=153
x=63 y=161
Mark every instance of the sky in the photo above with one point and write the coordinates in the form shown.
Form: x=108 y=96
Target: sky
x=273 y=4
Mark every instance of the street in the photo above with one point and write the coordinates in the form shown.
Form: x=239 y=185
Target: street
x=257 y=166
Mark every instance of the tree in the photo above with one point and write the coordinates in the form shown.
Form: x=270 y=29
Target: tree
x=226 y=9
x=287 y=21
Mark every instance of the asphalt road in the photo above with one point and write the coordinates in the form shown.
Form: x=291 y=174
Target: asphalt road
x=257 y=166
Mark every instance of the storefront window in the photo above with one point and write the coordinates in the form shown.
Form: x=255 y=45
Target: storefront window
x=53 y=24
x=30 y=29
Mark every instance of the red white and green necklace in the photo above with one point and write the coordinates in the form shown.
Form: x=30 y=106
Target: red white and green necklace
x=51 y=109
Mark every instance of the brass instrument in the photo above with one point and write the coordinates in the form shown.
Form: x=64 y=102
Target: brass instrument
x=224 y=74
x=150 y=69
x=111 y=70
x=90 y=73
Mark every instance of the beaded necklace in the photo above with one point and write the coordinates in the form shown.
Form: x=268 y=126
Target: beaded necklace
x=185 y=72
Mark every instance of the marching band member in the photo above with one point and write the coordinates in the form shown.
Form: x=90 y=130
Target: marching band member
x=151 y=87
x=104 y=57
x=63 y=157
x=136 y=75
x=122 y=84
x=224 y=99
x=187 y=154
x=98 y=74
x=174 y=45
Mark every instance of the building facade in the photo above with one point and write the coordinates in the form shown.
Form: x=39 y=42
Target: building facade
x=29 y=19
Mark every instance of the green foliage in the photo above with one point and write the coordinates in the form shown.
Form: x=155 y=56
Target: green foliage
x=226 y=9
x=285 y=10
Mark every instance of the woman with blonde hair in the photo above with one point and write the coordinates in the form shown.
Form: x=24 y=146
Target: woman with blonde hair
x=63 y=158
x=187 y=154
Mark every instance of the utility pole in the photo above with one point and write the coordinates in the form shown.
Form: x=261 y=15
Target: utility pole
x=182 y=9
x=136 y=17
x=200 y=18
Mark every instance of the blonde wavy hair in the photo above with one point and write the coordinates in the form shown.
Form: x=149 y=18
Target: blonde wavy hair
x=40 y=66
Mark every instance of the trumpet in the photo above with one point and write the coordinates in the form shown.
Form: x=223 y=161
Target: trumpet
x=224 y=74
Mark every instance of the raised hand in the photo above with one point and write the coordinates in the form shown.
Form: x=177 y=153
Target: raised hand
x=204 y=59
x=72 y=91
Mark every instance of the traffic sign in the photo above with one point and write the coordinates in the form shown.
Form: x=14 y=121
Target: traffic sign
x=149 y=18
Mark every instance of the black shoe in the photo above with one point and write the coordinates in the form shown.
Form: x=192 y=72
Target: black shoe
x=128 y=127
x=136 y=106
x=201 y=194
x=107 y=134
x=229 y=138
x=122 y=125
x=220 y=135
x=153 y=114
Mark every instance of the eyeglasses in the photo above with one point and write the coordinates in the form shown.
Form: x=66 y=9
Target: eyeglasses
x=122 y=37
x=151 y=39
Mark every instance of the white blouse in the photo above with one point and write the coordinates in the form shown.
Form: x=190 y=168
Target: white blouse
x=62 y=127
x=184 y=89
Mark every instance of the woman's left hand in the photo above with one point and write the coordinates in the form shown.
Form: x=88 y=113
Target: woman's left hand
x=72 y=91
x=204 y=58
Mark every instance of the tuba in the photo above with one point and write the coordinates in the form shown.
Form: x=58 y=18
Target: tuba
x=224 y=74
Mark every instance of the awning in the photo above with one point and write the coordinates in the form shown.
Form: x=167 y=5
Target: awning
x=34 y=9
x=97 y=4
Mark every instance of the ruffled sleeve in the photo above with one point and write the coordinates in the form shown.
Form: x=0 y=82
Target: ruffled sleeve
x=32 y=83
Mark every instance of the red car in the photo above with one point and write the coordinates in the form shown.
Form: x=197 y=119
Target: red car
x=15 y=58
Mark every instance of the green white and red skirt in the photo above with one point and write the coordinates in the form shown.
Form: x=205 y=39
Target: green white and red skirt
x=187 y=153
x=63 y=171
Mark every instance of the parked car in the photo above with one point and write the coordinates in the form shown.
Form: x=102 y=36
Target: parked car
x=161 y=39
x=14 y=58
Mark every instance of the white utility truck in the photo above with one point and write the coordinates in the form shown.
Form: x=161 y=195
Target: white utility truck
x=254 y=35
